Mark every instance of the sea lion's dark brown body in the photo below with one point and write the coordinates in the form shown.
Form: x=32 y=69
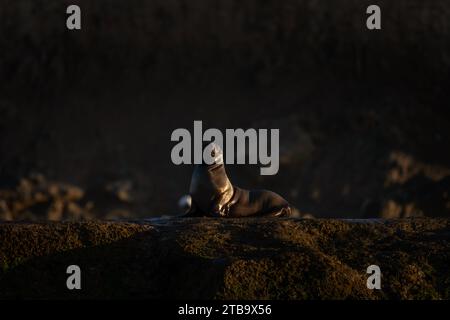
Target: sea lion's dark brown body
x=247 y=203
x=213 y=195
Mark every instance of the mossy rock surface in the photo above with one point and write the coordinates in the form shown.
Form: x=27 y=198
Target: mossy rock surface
x=202 y=258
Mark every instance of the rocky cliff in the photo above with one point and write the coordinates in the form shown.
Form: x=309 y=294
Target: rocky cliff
x=227 y=259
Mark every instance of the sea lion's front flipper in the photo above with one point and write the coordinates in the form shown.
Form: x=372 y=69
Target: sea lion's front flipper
x=189 y=208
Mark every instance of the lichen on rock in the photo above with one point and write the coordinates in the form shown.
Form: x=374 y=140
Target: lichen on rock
x=206 y=258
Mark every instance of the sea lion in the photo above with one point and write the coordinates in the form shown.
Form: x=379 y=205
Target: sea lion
x=212 y=194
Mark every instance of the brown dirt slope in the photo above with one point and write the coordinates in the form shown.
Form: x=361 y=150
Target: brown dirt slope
x=227 y=259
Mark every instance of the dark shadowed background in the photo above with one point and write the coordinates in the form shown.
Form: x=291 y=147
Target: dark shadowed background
x=86 y=116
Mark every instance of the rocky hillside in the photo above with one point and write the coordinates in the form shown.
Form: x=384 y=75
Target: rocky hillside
x=227 y=259
x=362 y=114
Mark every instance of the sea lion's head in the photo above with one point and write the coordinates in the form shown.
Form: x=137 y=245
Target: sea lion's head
x=212 y=155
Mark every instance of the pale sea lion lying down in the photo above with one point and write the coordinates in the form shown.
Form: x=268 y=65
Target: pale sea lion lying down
x=212 y=194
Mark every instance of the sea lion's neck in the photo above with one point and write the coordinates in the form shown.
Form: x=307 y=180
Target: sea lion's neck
x=219 y=179
x=215 y=166
x=219 y=190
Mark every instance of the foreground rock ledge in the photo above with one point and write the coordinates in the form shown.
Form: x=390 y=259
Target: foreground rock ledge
x=227 y=258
